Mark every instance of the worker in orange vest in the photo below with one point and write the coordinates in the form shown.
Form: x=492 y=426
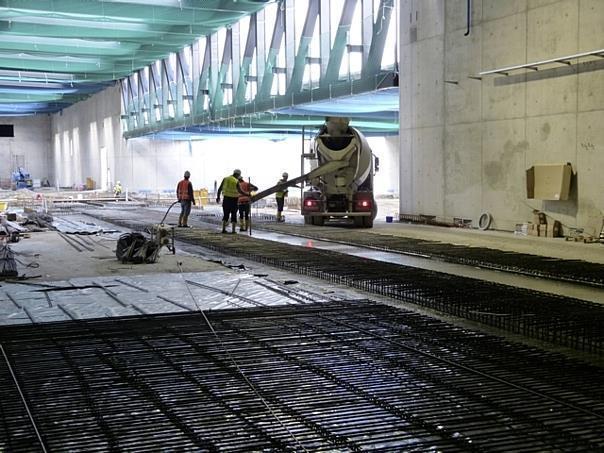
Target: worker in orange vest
x=244 y=203
x=184 y=193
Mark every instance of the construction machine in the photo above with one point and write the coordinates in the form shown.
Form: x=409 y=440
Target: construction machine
x=340 y=183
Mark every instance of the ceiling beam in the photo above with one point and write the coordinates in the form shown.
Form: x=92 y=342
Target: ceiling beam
x=129 y=12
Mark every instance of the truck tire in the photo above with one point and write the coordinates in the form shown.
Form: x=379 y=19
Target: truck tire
x=307 y=220
x=318 y=221
x=358 y=222
x=367 y=222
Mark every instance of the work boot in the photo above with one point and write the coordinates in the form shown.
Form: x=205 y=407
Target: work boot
x=224 y=224
x=234 y=228
x=185 y=221
x=278 y=216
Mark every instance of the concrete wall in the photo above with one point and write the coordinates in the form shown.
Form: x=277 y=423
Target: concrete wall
x=158 y=165
x=386 y=181
x=31 y=141
x=80 y=136
x=465 y=143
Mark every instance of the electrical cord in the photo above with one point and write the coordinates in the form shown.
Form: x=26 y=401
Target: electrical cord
x=167 y=212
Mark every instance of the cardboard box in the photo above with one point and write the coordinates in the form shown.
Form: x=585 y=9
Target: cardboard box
x=90 y=184
x=549 y=181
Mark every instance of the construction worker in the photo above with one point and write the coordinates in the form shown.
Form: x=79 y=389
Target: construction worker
x=244 y=203
x=280 y=197
x=231 y=190
x=117 y=189
x=184 y=193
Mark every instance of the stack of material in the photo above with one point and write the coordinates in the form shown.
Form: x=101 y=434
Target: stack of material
x=68 y=226
x=39 y=220
x=10 y=227
x=8 y=265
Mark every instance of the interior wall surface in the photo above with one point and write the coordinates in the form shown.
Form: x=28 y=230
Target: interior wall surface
x=465 y=143
x=157 y=165
x=30 y=146
x=386 y=180
x=86 y=141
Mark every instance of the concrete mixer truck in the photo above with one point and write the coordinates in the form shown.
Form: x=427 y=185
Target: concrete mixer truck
x=340 y=183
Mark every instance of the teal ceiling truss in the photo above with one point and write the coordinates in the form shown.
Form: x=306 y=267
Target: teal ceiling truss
x=280 y=68
x=57 y=52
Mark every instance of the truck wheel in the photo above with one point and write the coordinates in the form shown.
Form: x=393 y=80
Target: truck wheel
x=358 y=222
x=367 y=222
x=307 y=220
x=318 y=221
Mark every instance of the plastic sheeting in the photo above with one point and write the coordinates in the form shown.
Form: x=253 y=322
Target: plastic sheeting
x=101 y=297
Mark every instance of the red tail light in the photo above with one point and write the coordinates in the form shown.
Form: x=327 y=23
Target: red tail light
x=363 y=204
x=310 y=204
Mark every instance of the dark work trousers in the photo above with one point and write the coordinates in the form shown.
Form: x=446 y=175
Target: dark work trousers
x=280 y=203
x=229 y=209
x=244 y=211
x=185 y=208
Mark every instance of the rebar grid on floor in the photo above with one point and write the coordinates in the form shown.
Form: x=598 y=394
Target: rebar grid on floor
x=559 y=320
x=339 y=376
x=568 y=270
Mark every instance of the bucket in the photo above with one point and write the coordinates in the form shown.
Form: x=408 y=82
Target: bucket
x=389 y=219
x=3 y=205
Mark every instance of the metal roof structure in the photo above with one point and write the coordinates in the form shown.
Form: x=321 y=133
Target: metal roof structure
x=284 y=67
x=54 y=53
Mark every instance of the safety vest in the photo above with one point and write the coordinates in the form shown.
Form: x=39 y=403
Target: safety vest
x=281 y=193
x=244 y=199
x=229 y=187
x=182 y=190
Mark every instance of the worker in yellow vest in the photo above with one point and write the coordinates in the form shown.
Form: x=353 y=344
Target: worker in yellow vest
x=230 y=189
x=280 y=196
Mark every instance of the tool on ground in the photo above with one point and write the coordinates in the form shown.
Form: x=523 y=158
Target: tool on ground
x=136 y=248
